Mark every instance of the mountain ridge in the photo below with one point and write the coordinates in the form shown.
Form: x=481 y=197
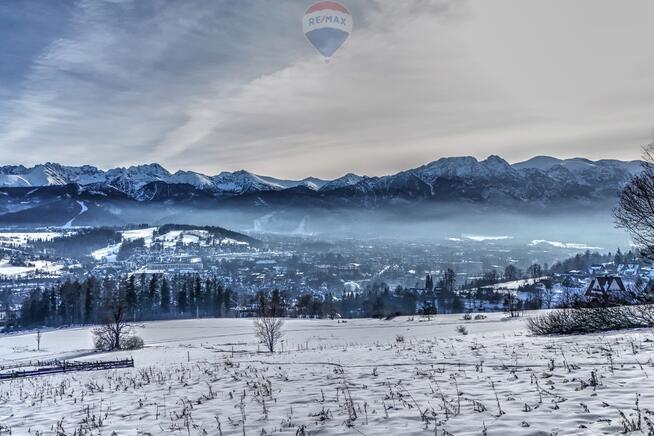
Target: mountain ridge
x=50 y=173
x=538 y=184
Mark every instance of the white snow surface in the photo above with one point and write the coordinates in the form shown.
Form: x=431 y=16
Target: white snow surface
x=337 y=379
x=513 y=285
x=347 y=180
x=109 y=253
x=482 y=238
x=575 y=165
x=22 y=238
x=566 y=245
x=43 y=266
x=146 y=234
x=168 y=240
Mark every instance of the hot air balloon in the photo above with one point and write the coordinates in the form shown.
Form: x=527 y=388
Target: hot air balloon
x=327 y=24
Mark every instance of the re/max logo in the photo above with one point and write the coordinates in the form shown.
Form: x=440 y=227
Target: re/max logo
x=328 y=19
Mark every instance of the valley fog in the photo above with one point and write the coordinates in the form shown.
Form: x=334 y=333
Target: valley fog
x=590 y=228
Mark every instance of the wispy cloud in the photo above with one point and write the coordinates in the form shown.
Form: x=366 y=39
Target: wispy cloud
x=227 y=84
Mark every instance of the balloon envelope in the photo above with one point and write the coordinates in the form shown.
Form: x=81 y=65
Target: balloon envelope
x=327 y=24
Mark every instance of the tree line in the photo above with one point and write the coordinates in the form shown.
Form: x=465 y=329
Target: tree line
x=144 y=297
x=378 y=302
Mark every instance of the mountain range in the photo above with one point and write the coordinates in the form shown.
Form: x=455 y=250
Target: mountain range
x=130 y=180
x=53 y=194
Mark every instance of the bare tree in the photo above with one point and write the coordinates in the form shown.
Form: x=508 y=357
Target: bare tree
x=269 y=331
x=635 y=211
x=116 y=333
x=428 y=310
x=548 y=295
x=512 y=305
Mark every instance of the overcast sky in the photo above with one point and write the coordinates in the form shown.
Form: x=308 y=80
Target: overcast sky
x=213 y=85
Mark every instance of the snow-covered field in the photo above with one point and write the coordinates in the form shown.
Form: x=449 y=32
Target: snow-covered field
x=42 y=266
x=206 y=377
x=168 y=240
x=22 y=238
x=514 y=285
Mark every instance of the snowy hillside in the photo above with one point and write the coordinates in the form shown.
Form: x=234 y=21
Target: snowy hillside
x=170 y=236
x=369 y=377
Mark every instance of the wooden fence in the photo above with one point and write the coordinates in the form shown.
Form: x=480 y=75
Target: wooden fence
x=56 y=367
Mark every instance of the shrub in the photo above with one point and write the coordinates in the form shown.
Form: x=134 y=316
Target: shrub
x=467 y=317
x=105 y=343
x=105 y=340
x=479 y=317
x=132 y=343
x=461 y=329
x=590 y=320
x=102 y=343
x=399 y=338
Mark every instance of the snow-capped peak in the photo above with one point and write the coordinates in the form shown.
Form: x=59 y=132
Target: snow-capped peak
x=347 y=180
x=241 y=182
x=425 y=180
x=149 y=172
x=310 y=185
x=464 y=167
x=191 y=178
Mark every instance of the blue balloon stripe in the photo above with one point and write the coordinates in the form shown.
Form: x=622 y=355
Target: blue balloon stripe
x=327 y=40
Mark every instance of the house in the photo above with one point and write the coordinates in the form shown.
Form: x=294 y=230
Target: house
x=597 y=269
x=629 y=270
x=605 y=285
x=246 y=311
